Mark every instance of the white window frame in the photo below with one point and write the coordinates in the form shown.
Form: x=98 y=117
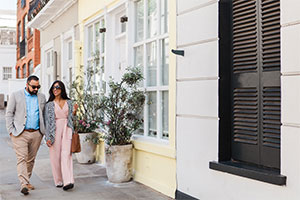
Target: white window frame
x=101 y=52
x=47 y=70
x=159 y=88
x=7 y=73
x=118 y=24
x=68 y=72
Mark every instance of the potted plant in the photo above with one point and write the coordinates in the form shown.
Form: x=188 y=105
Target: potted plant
x=120 y=117
x=86 y=119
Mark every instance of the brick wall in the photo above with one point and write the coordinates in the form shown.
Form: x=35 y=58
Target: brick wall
x=33 y=48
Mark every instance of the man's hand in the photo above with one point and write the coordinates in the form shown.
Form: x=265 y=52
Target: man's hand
x=48 y=143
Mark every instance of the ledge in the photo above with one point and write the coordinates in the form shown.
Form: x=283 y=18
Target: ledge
x=159 y=147
x=49 y=13
x=259 y=174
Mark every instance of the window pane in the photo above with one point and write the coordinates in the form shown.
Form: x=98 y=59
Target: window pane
x=165 y=114
x=90 y=41
x=24 y=70
x=151 y=64
x=97 y=74
x=70 y=76
x=18 y=72
x=152 y=114
x=103 y=82
x=49 y=80
x=48 y=59
x=103 y=37
x=139 y=34
x=19 y=32
x=30 y=67
x=140 y=131
x=97 y=35
x=7 y=73
x=164 y=16
x=25 y=33
x=151 y=18
x=70 y=51
x=165 y=61
x=139 y=61
x=123 y=27
x=24 y=26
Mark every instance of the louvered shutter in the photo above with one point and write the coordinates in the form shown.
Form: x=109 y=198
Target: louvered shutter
x=270 y=84
x=256 y=82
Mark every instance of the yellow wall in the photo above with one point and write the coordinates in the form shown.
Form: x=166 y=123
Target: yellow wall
x=154 y=164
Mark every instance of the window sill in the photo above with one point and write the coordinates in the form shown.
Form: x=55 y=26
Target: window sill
x=273 y=177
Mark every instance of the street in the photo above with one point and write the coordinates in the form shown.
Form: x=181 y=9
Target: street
x=90 y=179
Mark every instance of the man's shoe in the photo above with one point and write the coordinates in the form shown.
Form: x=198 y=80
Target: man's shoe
x=24 y=190
x=30 y=187
x=69 y=186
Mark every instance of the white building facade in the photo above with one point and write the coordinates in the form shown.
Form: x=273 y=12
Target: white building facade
x=238 y=97
x=58 y=25
x=7 y=51
x=7 y=67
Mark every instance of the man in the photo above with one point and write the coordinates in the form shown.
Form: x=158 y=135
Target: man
x=25 y=124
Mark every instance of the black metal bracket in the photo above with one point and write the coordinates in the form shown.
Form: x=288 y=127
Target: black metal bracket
x=124 y=19
x=102 y=30
x=178 y=52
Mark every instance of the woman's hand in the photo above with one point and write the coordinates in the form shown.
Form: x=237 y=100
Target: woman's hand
x=75 y=107
x=49 y=143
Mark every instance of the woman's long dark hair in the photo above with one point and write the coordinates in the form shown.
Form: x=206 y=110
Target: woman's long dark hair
x=63 y=91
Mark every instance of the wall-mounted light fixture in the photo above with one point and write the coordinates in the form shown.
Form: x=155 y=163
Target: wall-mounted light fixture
x=124 y=19
x=102 y=30
x=178 y=52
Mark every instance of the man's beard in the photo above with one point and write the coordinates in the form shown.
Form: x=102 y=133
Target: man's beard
x=34 y=92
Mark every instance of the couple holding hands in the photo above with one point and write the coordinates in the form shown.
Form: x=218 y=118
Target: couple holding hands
x=28 y=118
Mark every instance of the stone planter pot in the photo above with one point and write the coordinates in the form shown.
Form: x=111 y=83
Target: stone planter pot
x=87 y=154
x=118 y=160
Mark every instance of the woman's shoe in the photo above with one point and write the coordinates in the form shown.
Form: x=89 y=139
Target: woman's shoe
x=69 y=186
x=60 y=185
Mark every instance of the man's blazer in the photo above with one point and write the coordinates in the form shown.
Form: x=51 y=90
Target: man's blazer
x=16 y=112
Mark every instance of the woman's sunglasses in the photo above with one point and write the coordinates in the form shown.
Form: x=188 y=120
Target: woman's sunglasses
x=35 y=87
x=57 y=87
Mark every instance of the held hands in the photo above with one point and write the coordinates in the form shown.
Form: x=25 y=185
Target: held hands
x=48 y=143
x=75 y=107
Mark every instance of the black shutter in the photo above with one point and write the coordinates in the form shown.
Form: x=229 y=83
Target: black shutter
x=270 y=84
x=256 y=82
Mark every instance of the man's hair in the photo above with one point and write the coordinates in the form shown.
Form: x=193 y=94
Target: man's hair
x=32 y=77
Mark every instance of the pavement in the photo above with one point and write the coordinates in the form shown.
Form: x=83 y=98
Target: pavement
x=90 y=179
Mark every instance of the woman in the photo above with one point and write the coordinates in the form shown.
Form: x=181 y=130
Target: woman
x=58 y=134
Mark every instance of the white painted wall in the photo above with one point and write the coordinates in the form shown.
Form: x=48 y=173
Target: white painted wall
x=7 y=59
x=55 y=37
x=197 y=107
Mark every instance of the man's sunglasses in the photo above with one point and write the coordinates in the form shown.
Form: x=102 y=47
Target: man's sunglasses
x=35 y=87
x=57 y=87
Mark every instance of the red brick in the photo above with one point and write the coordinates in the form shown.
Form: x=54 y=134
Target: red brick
x=35 y=55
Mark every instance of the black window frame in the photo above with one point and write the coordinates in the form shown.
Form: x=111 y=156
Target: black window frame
x=225 y=162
